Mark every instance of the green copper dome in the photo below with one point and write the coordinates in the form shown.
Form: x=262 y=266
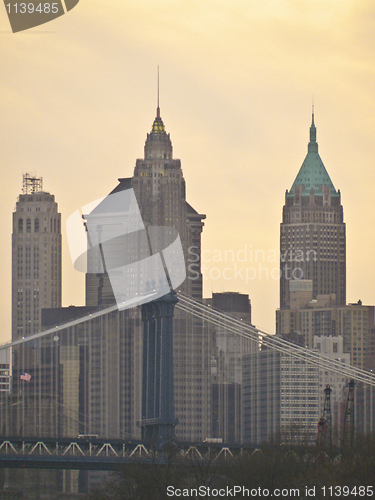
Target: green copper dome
x=313 y=173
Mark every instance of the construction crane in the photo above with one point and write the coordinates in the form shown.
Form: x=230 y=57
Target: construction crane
x=324 y=439
x=348 y=431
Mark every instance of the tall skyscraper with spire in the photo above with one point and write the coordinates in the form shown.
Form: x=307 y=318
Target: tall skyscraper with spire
x=160 y=190
x=159 y=186
x=36 y=257
x=312 y=233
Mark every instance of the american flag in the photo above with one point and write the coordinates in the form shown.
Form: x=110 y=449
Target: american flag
x=25 y=376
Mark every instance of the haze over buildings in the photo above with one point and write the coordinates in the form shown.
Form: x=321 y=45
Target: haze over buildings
x=236 y=85
x=95 y=369
x=78 y=94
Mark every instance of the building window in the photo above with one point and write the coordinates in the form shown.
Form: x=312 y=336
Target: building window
x=20 y=225
x=36 y=226
x=28 y=226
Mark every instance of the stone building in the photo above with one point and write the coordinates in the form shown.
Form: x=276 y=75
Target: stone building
x=322 y=317
x=333 y=347
x=280 y=398
x=227 y=351
x=160 y=191
x=36 y=257
x=312 y=232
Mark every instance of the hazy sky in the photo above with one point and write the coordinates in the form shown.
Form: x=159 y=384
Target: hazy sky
x=78 y=96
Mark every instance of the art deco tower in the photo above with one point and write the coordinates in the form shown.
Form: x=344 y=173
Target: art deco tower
x=159 y=187
x=36 y=257
x=312 y=232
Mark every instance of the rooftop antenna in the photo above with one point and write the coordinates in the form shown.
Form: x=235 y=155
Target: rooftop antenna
x=31 y=184
x=158 y=109
x=313 y=107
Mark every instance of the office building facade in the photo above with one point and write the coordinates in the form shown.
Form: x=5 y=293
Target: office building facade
x=333 y=347
x=280 y=399
x=36 y=257
x=322 y=317
x=312 y=232
x=160 y=191
x=227 y=351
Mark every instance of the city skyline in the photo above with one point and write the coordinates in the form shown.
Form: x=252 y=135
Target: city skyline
x=239 y=123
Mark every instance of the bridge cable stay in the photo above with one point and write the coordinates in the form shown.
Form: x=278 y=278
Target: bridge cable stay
x=249 y=332
x=58 y=328
x=305 y=354
x=237 y=327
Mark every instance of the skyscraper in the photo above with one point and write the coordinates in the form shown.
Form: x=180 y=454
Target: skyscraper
x=159 y=188
x=312 y=232
x=36 y=257
x=280 y=398
x=227 y=354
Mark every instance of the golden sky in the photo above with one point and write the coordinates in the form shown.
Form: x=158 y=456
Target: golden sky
x=78 y=96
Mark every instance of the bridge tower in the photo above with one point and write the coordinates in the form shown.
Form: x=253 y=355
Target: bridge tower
x=158 y=416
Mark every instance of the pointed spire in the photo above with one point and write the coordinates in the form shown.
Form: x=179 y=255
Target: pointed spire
x=313 y=110
x=313 y=145
x=158 y=108
x=312 y=174
x=158 y=125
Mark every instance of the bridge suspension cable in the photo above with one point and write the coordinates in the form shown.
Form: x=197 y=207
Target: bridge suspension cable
x=199 y=310
x=59 y=328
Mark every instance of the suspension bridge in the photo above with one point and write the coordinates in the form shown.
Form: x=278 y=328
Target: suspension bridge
x=92 y=453
x=203 y=312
